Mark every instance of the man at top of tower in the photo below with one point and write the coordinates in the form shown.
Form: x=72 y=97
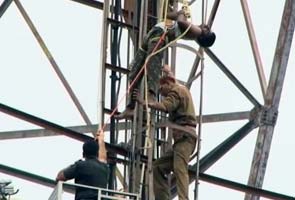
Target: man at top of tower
x=160 y=35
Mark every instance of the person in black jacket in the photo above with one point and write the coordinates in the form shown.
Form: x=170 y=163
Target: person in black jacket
x=91 y=171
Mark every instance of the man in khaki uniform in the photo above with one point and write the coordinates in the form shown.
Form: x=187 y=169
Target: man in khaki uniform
x=179 y=104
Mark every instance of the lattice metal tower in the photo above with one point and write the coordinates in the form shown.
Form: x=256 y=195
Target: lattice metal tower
x=124 y=24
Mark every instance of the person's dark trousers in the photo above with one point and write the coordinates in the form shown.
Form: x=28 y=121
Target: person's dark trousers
x=154 y=64
x=177 y=161
x=135 y=68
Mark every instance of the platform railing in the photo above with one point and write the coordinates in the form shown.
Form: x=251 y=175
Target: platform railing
x=102 y=193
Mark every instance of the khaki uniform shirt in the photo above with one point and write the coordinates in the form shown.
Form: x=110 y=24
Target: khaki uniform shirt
x=180 y=106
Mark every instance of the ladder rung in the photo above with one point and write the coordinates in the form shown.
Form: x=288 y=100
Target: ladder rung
x=122 y=24
x=117 y=68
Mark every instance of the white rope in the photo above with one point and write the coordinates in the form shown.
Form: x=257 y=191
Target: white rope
x=148 y=144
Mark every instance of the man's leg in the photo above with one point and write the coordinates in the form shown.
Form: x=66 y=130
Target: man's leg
x=134 y=79
x=182 y=150
x=154 y=66
x=161 y=168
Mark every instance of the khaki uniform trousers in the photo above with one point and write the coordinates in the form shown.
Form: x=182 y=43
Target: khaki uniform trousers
x=177 y=161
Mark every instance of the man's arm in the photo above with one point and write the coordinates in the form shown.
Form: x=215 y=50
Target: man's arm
x=201 y=34
x=157 y=105
x=151 y=103
x=67 y=173
x=102 y=153
x=61 y=176
x=194 y=30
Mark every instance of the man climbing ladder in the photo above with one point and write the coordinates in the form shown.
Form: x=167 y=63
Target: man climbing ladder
x=179 y=104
